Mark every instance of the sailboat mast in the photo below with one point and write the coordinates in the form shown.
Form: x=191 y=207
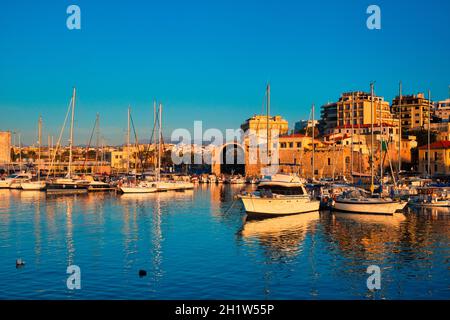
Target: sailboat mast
x=69 y=173
x=39 y=147
x=97 y=123
x=159 y=141
x=20 y=151
x=400 y=128
x=351 y=137
x=128 y=141
x=312 y=139
x=429 y=133
x=371 y=140
x=381 y=140
x=153 y=133
x=268 y=117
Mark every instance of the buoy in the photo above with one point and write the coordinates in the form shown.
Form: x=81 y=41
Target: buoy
x=20 y=263
x=142 y=273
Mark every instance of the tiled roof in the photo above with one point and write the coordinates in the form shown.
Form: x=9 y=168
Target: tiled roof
x=437 y=145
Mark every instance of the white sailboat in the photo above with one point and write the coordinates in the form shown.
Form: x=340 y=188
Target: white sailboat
x=136 y=187
x=38 y=185
x=69 y=184
x=359 y=201
x=168 y=185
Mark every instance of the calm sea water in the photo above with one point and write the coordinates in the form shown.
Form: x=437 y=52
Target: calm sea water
x=198 y=245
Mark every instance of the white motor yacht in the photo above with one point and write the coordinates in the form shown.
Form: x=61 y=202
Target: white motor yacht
x=281 y=195
x=15 y=180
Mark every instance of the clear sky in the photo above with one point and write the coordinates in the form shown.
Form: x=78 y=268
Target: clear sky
x=209 y=60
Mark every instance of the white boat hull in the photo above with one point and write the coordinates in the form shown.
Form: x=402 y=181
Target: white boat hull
x=279 y=206
x=369 y=207
x=167 y=186
x=37 y=185
x=137 y=189
x=5 y=184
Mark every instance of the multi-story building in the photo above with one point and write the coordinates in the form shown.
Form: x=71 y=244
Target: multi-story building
x=303 y=124
x=355 y=107
x=258 y=124
x=439 y=158
x=328 y=115
x=442 y=110
x=5 y=147
x=415 y=111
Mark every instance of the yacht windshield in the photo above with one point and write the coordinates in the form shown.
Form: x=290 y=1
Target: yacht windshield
x=282 y=190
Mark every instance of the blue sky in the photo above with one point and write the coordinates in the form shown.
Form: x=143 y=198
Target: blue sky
x=209 y=60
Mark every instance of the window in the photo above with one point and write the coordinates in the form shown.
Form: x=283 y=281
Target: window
x=291 y=144
x=299 y=144
x=436 y=156
x=435 y=168
x=329 y=161
x=426 y=155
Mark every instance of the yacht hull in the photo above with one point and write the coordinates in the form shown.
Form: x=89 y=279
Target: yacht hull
x=369 y=207
x=278 y=206
x=66 y=188
x=137 y=189
x=34 y=186
x=167 y=186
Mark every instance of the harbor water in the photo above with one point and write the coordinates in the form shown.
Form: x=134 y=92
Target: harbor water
x=198 y=244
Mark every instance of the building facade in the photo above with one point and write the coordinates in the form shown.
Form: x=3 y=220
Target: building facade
x=413 y=109
x=442 y=110
x=439 y=159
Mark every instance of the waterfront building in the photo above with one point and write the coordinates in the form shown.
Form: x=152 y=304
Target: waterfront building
x=303 y=124
x=415 y=111
x=328 y=117
x=355 y=108
x=442 y=130
x=5 y=147
x=258 y=124
x=442 y=110
x=439 y=158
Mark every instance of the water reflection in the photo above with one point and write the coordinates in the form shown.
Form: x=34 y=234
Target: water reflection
x=201 y=242
x=281 y=237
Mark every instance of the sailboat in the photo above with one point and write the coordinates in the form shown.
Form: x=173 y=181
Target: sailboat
x=39 y=184
x=141 y=187
x=69 y=184
x=360 y=201
x=159 y=184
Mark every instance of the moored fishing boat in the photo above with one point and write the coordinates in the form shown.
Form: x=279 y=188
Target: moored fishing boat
x=432 y=197
x=281 y=195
